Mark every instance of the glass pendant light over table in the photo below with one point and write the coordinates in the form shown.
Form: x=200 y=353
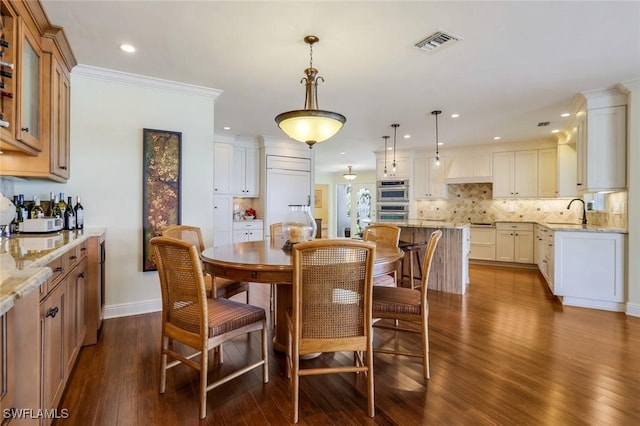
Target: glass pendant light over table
x=310 y=125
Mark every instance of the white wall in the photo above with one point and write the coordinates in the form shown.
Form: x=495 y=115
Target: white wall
x=108 y=112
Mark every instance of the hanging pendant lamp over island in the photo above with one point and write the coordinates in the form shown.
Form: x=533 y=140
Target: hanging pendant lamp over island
x=437 y=113
x=310 y=125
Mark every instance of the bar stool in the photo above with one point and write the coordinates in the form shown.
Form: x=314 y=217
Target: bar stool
x=412 y=253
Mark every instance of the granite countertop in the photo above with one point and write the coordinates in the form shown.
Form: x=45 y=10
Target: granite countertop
x=423 y=223
x=24 y=259
x=555 y=226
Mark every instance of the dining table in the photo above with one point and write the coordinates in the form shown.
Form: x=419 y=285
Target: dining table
x=268 y=263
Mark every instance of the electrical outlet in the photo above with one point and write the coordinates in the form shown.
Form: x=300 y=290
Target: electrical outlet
x=432 y=208
x=545 y=209
x=512 y=207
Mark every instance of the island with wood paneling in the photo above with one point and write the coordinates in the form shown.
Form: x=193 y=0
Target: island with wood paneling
x=450 y=267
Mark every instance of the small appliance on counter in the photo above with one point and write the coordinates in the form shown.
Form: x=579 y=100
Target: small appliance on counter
x=42 y=225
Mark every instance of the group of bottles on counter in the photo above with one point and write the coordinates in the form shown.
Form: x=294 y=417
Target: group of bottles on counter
x=73 y=216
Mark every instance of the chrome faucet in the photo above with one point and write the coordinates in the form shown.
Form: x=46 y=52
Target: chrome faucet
x=584 y=210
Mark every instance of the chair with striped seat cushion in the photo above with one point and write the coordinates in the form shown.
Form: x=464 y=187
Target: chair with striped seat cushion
x=197 y=321
x=406 y=304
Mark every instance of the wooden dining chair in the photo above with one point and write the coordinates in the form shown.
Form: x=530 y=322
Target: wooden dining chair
x=197 y=321
x=383 y=234
x=331 y=309
x=216 y=287
x=406 y=304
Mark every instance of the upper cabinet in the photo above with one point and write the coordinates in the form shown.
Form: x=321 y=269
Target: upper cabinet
x=428 y=179
x=222 y=168
x=600 y=137
x=548 y=173
x=515 y=174
x=37 y=61
x=246 y=170
x=402 y=169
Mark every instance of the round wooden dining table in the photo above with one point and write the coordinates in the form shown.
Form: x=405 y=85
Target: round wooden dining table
x=267 y=263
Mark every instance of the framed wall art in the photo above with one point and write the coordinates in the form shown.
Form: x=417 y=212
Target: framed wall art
x=161 y=173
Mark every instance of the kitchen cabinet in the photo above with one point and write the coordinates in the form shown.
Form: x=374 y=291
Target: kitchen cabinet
x=248 y=230
x=222 y=168
x=514 y=242
x=547 y=173
x=468 y=167
x=483 y=243
x=403 y=168
x=245 y=172
x=601 y=284
x=600 y=137
x=39 y=145
x=515 y=174
x=567 y=169
x=545 y=254
x=63 y=323
x=428 y=179
x=222 y=219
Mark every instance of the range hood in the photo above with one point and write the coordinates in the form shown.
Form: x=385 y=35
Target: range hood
x=469 y=167
x=469 y=179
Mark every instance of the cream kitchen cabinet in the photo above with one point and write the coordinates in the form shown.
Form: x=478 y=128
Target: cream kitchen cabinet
x=222 y=168
x=222 y=219
x=428 y=179
x=589 y=269
x=545 y=254
x=245 y=172
x=483 y=243
x=600 y=136
x=547 y=173
x=248 y=230
x=403 y=168
x=514 y=242
x=515 y=174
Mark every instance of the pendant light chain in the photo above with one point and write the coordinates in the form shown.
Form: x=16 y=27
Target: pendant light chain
x=395 y=130
x=436 y=113
x=385 y=154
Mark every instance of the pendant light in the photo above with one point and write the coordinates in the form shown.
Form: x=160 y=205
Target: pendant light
x=385 y=154
x=350 y=175
x=395 y=130
x=310 y=125
x=437 y=113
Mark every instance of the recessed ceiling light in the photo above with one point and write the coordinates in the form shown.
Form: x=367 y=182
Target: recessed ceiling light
x=227 y=128
x=127 y=48
x=390 y=148
x=566 y=114
x=407 y=136
x=455 y=115
x=440 y=143
x=342 y=153
x=555 y=131
x=496 y=138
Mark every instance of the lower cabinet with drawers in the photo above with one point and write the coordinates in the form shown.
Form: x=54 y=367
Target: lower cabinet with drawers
x=248 y=230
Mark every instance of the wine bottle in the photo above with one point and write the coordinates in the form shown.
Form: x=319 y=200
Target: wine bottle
x=69 y=216
x=36 y=211
x=79 y=210
x=55 y=208
x=7 y=74
x=21 y=209
x=61 y=203
x=4 y=43
x=6 y=64
x=52 y=197
x=14 y=222
x=6 y=94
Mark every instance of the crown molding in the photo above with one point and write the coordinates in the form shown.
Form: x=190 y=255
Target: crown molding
x=144 y=81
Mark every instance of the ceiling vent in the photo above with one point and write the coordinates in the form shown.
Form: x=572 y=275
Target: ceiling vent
x=437 y=39
x=543 y=124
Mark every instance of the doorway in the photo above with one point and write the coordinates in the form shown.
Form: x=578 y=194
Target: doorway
x=355 y=208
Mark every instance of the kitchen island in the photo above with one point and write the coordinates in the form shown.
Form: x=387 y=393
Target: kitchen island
x=450 y=267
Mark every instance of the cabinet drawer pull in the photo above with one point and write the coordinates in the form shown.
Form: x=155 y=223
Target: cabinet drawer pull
x=25 y=129
x=81 y=275
x=74 y=257
x=83 y=249
x=63 y=167
x=52 y=312
x=58 y=269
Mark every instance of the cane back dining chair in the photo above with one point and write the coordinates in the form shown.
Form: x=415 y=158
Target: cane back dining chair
x=331 y=309
x=216 y=287
x=198 y=321
x=385 y=234
x=406 y=304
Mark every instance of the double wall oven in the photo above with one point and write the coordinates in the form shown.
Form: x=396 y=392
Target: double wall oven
x=393 y=200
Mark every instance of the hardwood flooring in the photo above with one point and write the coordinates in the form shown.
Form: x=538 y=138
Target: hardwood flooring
x=505 y=353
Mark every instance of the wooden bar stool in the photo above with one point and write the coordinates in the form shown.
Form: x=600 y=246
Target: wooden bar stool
x=412 y=252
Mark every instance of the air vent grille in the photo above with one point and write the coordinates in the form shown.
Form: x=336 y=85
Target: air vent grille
x=437 y=39
x=543 y=124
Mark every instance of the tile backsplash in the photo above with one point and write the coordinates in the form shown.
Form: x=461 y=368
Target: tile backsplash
x=472 y=202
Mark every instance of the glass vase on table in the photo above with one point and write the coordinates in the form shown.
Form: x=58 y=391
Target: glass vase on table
x=299 y=226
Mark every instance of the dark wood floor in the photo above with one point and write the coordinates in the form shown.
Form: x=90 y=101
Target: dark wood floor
x=505 y=353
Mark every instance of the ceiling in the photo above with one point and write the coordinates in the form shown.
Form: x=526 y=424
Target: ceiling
x=517 y=63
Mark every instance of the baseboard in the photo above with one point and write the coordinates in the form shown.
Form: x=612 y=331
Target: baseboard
x=633 y=309
x=134 y=308
x=593 y=304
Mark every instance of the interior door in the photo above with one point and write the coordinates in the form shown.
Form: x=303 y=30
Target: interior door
x=363 y=203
